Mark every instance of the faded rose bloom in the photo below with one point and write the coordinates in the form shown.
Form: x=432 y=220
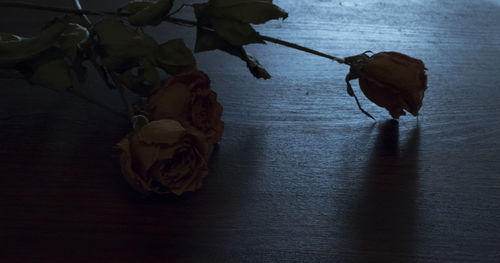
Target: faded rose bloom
x=163 y=157
x=188 y=98
x=391 y=80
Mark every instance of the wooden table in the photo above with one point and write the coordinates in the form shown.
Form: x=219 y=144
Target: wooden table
x=300 y=175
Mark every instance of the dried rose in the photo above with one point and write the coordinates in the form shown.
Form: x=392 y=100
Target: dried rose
x=188 y=98
x=391 y=80
x=163 y=157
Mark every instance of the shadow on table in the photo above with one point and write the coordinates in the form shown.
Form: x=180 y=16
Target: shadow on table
x=385 y=215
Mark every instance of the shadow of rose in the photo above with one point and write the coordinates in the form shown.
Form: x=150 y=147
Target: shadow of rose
x=386 y=211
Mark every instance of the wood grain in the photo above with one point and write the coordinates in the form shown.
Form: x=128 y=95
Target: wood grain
x=300 y=175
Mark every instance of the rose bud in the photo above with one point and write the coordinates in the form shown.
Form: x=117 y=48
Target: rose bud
x=391 y=80
x=188 y=98
x=163 y=157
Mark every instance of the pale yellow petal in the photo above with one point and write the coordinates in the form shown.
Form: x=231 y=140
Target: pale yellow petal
x=161 y=132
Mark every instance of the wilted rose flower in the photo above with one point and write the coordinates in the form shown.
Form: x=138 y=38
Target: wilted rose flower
x=391 y=80
x=163 y=157
x=188 y=98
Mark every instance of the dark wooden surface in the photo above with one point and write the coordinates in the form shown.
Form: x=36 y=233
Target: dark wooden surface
x=300 y=175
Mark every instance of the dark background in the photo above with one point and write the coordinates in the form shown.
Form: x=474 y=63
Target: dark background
x=300 y=175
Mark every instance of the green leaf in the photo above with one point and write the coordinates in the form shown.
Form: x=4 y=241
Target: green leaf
x=209 y=40
x=51 y=70
x=247 y=11
x=151 y=15
x=121 y=46
x=175 y=57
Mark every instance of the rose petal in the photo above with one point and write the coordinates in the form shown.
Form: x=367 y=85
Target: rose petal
x=168 y=103
x=129 y=174
x=188 y=99
x=394 y=81
x=194 y=80
x=144 y=155
x=161 y=132
x=395 y=69
x=169 y=151
x=199 y=140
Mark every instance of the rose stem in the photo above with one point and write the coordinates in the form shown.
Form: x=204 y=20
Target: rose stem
x=121 y=89
x=269 y=39
x=95 y=102
x=170 y=19
x=79 y=7
x=123 y=94
x=52 y=8
x=302 y=48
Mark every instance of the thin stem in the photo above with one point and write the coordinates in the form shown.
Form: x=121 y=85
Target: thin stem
x=102 y=71
x=180 y=20
x=53 y=8
x=11 y=74
x=269 y=39
x=302 y=48
x=123 y=94
x=103 y=74
x=168 y=18
x=96 y=102
x=177 y=10
x=79 y=7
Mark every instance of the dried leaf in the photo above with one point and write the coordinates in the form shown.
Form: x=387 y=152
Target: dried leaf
x=9 y=37
x=234 y=31
x=14 y=49
x=42 y=59
x=122 y=47
x=72 y=39
x=256 y=68
x=248 y=11
x=144 y=81
x=76 y=19
x=133 y=7
x=174 y=57
x=51 y=71
x=65 y=33
x=152 y=14
x=209 y=40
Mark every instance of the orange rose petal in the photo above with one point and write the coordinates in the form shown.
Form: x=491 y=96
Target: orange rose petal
x=166 y=153
x=187 y=97
x=144 y=155
x=130 y=176
x=199 y=140
x=394 y=81
x=168 y=103
x=162 y=132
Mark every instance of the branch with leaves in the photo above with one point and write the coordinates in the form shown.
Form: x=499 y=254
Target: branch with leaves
x=180 y=119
